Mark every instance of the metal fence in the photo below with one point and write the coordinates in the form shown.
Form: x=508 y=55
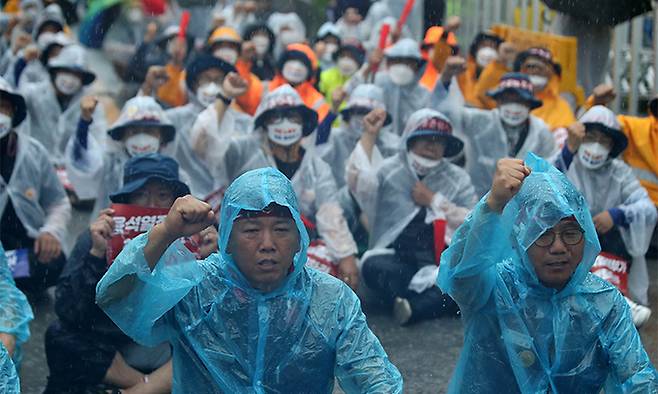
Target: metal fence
x=633 y=52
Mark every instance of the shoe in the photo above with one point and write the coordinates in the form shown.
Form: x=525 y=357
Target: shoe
x=401 y=310
x=640 y=313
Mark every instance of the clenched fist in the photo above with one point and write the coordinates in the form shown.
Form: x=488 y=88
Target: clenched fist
x=186 y=217
x=87 y=107
x=509 y=176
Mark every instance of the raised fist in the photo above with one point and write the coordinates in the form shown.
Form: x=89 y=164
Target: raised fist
x=509 y=176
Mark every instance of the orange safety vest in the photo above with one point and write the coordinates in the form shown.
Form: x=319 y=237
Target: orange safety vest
x=555 y=110
x=172 y=92
x=251 y=99
x=310 y=96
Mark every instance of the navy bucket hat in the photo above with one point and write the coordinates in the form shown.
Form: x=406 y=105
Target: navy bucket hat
x=518 y=83
x=143 y=168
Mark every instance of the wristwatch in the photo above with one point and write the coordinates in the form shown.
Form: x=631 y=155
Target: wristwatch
x=225 y=99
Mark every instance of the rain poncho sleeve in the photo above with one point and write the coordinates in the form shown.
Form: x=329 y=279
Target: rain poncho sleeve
x=361 y=177
x=230 y=337
x=521 y=336
x=9 y=382
x=138 y=299
x=469 y=273
x=15 y=311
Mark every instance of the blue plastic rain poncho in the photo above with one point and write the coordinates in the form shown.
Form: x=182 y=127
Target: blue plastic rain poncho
x=15 y=314
x=227 y=336
x=9 y=382
x=521 y=336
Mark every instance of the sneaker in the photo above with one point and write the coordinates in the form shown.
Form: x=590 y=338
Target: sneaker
x=640 y=313
x=401 y=310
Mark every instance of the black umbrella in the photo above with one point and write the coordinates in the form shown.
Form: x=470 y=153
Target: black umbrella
x=607 y=12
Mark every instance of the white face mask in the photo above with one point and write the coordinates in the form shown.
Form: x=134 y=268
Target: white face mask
x=421 y=165
x=141 y=144
x=401 y=74
x=207 y=93
x=294 y=71
x=229 y=55
x=329 y=50
x=593 y=155
x=289 y=36
x=514 y=114
x=356 y=123
x=5 y=125
x=347 y=66
x=538 y=81
x=67 y=83
x=485 y=55
x=261 y=44
x=45 y=39
x=285 y=132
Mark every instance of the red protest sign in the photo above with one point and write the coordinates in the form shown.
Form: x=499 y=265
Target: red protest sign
x=133 y=220
x=613 y=269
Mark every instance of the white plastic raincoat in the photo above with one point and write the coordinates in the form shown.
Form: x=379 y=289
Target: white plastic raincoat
x=522 y=337
x=98 y=171
x=615 y=186
x=343 y=139
x=54 y=125
x=487 y=141
x=36 y=192
x=229 y=337
x=207 y=140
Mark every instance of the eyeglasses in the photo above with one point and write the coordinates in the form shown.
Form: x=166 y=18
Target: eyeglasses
x=570 y=237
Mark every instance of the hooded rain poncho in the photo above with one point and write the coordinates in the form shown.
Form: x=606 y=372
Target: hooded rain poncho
x=230 y=337
x=521 y=336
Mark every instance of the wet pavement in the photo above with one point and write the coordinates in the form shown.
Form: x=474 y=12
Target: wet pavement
x=425 y=353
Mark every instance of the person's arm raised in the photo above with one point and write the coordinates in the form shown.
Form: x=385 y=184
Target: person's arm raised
x=186 y=217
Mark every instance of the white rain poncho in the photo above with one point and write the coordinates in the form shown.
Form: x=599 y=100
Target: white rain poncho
x=486 y=139
x=615 y=186
x=15 y=312
x=35 y=71
x=227 y=336
x=522 y=337
x=9 y=382
x=36 y=192
x=207 y=140
x=52 y=125
x=343 y=139
x=201 y=182
x=98 y=171
x=395 y=208
x=402 y=101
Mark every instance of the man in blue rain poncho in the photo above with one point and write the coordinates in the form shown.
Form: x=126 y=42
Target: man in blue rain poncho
x=251 y=318
x=536 y=319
